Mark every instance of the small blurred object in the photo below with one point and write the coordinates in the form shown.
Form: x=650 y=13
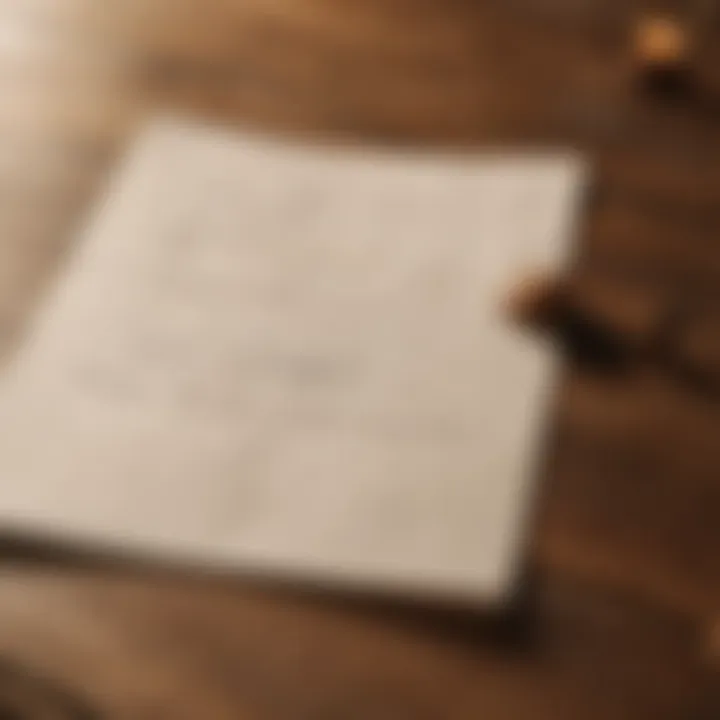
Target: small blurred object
x=535 y=301
x=663 y=49
x=604 y=322
x=590 y=314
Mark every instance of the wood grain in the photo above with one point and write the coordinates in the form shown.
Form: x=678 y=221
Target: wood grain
x=626 y=546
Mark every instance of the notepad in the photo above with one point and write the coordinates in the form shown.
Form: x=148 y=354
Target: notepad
x=290 y=360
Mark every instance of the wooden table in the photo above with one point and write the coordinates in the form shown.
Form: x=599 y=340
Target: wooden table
x=625 y=561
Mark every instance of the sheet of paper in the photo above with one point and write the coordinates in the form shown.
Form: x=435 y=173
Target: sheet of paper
x=291 y=360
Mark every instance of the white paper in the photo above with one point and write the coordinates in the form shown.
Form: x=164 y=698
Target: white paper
x=292 y=360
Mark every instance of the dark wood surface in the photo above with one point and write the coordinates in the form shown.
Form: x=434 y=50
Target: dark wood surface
x=624 y=568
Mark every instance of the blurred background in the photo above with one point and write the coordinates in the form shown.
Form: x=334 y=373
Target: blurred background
x=624 y=587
